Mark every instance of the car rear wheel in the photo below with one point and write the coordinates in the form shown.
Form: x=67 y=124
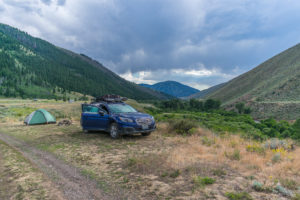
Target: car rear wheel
x=146 y=134
x=113 y=131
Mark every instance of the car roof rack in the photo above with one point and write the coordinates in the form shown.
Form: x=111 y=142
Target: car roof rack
x=111 y=98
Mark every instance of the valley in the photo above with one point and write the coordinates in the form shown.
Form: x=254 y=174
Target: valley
x=149 y=100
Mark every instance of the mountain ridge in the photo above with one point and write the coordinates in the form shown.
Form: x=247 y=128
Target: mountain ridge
x=203 y=93
x=269 y=88
x=265 y=80
x=172 y=88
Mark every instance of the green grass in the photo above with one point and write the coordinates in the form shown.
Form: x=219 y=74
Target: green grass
x=175 y=173
x=238 y=196
x=203 y=181
x=289 y=184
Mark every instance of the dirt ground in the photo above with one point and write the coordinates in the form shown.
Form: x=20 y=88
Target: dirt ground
x=66 y=178
x=20 y=179
x=162 y=166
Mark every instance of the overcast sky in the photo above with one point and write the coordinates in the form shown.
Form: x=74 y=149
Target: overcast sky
x=197 y=42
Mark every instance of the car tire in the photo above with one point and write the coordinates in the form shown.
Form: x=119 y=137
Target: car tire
x=113 y=131
x=146 y=134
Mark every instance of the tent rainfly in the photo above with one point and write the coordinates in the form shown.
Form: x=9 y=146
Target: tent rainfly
x=40 y=116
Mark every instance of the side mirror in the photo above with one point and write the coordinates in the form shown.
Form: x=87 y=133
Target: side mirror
x=101 y=112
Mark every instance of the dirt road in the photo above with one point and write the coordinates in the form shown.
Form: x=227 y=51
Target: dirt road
x=67 y=178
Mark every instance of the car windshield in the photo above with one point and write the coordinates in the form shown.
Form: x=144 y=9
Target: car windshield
x=121 y=108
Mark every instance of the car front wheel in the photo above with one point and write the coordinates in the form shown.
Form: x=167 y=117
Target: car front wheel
x=114 y=132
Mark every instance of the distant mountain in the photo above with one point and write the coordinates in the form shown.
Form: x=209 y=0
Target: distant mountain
x=203 y=93
x=34 y=68
x=272 y=88
x=173 y=88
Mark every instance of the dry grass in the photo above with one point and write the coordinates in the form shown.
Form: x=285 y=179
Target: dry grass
x=191 y=150
x=19 y=180
x=164 y=164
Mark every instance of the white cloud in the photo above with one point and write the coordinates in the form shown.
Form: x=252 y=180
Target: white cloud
x=198 y=42
x=138 y=77
x=200 y=77
x=195 y=72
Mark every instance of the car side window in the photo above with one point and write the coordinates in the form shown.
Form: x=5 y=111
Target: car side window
x=104 y=108
x=90 y=109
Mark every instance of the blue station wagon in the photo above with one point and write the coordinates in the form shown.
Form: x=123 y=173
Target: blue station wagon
x=116 y=117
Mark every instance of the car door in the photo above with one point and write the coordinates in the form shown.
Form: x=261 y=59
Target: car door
x=92 y=119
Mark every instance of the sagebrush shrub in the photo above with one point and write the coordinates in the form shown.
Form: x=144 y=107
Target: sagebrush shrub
x=238 y=196
x=183 y=126
x=203 y=181
x=207 y=141
x=257 y=186
x=256 y=148
x=235 y=155
x=276 y=158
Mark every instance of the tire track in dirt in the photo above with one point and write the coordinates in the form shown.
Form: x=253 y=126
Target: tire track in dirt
x=67 y=178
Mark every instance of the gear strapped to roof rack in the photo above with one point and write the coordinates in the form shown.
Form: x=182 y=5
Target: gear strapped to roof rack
x=111 y=98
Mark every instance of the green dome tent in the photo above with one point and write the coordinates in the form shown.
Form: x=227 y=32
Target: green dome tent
x=40 y=116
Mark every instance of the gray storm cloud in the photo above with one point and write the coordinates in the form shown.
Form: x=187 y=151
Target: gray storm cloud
x=148 y=41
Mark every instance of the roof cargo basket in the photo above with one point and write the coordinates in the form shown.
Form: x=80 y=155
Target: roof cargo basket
x=110 y=98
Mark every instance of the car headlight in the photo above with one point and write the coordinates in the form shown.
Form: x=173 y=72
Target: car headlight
x=123 y=119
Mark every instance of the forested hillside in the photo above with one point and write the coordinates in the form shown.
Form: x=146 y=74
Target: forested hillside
x=34 y=68
x=173 y=88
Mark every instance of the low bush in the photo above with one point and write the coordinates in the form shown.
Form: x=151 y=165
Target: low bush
x=175 y=173
x=207 y=141
x=203 y=181
x=257 y=186
x=256 y=148
x=183 y=126
x=235 y=155
x=219 y=172
x=284 y=191
x=289 y=183
x=276 y=158
x=275 y=143
x=209 y=115
x=238 y=196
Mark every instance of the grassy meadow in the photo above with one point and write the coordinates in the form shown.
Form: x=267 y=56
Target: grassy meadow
x=188 y=157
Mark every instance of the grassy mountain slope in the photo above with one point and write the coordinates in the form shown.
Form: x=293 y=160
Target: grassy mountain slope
x=173 y=88
x=272 y=88
x=31 y=67
x=203 y=93
x=277 y=79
